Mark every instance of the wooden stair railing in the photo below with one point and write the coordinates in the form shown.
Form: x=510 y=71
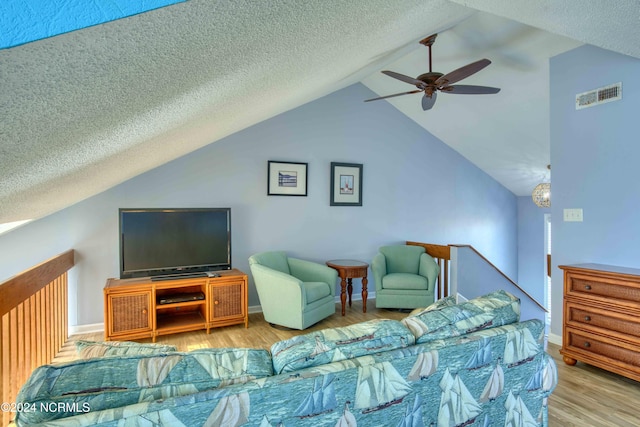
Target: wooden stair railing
x=33 y=323
x=442 y=255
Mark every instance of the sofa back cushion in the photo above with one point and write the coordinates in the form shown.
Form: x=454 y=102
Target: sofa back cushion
x=276 y=260
x=495 y=309
x=91 y=349
x=442 y=302
x=112 y=382
x=335 y=344
x=402 y=258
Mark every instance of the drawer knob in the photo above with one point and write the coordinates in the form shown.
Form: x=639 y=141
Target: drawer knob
x=587 y=287
x=216 y=302
x=144 y=311
x=587 y=318
x=587 y=344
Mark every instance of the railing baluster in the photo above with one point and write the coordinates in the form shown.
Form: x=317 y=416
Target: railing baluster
x=446 y=279
x=13 y=353
x=33 y=323
x=5 y=362
x=20 y=339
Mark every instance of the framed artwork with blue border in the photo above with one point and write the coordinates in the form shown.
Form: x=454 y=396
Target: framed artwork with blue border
x=346 y=184
x=286 y=178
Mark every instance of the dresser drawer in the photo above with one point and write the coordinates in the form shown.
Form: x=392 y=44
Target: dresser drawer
x=604 y=321
x=591 y=345
x=585 y=286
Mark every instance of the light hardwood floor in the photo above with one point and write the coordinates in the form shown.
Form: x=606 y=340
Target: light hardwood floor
x=585 y=396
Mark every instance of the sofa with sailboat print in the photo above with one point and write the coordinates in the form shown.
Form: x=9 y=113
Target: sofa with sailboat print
x=468 y=364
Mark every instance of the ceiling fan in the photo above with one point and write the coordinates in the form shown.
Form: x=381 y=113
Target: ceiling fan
x=431 y=82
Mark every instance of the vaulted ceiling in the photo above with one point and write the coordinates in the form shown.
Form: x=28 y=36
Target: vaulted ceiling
x=86 y=110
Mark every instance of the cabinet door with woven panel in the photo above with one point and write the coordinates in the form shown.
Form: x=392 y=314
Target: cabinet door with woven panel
x=130 y=313
x=228 y=303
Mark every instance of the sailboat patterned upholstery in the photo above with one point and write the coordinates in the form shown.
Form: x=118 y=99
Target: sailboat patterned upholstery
x=495 y=309
x=496 y=375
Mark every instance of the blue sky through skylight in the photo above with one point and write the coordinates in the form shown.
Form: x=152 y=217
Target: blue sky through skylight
x=24 y=21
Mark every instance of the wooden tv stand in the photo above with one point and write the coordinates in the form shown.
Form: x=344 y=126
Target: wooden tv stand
x=133 y=308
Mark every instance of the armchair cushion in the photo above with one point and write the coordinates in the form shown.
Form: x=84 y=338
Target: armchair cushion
x=405 y=281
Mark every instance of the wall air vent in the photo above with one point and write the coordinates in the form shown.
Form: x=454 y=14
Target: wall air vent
x=599 y=96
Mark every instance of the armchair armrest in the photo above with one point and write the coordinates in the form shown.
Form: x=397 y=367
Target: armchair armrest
x=379 y=269
x=309 y=271
x=429 y=269
x=275 y=287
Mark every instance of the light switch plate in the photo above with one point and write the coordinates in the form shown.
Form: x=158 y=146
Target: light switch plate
x=573 y=215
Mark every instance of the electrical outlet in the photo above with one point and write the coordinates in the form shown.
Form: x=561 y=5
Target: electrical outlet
x=573 y=215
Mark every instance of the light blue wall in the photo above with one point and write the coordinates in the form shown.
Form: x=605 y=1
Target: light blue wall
x=415 y=188
x=473 y=277
x=594 y=154
x=532 y=270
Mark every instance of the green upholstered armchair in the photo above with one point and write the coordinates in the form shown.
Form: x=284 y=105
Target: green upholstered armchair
x=294 y=293
x=405 y=277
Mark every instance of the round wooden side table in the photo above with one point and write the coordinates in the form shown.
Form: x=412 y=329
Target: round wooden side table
x=349 y=269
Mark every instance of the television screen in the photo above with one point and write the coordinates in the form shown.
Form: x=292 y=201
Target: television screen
x=171 y=241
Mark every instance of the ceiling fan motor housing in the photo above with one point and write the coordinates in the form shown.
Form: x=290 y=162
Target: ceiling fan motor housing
x=429 y=78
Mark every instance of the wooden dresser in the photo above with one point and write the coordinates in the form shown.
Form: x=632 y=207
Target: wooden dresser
x=601 y=324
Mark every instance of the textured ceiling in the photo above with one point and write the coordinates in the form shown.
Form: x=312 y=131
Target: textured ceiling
x=84 y=111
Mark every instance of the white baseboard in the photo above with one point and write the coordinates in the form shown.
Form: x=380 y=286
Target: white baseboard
x=460 y=298
x=86 y=329
x=255 y=309
x=354 y=297
x=555 y=339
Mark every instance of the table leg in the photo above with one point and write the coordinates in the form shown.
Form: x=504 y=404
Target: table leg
x=365 y=293
x=350 y=289
x=343 y=293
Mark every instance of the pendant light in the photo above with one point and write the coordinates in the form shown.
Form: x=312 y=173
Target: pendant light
x=541 y=194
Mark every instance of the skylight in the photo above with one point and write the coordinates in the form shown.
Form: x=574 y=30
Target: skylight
x=24 y=21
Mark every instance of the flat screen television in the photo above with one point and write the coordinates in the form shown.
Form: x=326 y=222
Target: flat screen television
x=168 y=242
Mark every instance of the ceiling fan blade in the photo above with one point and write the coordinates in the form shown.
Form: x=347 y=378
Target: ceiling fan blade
x=428 y=101
x=395 y=94
x=470 y=90
x=404 y=78
x=462 y=72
